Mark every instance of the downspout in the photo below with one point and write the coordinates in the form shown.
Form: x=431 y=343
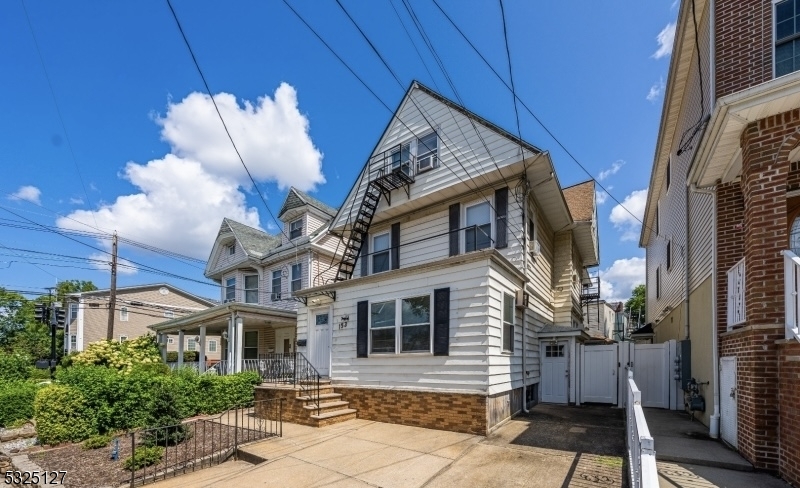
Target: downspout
x=686 y=254
x=714 y=423
x=524 y=288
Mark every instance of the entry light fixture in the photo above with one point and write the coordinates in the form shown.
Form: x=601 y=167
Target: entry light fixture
x=225 y=334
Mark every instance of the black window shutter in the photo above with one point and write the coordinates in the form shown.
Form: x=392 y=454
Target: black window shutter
x=362 y=329
x=364 y=254
x=395 y=246
x=501 y=214
x=455 y=211
x=441 y=322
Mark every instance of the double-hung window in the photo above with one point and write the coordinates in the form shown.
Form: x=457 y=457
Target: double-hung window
x=401 y=158
x=231 y=249
x=73 y=342
x=191 y=344
x=296 y=229
x=250 y=349
x=73 y=311
x=478 y=232
x=380 y=252
x=212 y=345
x=297 y=276
x=230 y=290
x=276 y=286
x=787 y=37
x=508 y=323
x=427 y=152
x=402 y=325
x=251 y=289
x=123 y=314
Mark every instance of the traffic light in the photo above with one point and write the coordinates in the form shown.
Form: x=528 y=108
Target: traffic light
x=41 y=313
x=61 y=317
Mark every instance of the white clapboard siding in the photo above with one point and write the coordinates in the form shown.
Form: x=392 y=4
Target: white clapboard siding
x=540 y=270
x=312 y=223
x=466 y=368
x=505 y=369
x=701 y=209
x=223 y=259
x=462 y=155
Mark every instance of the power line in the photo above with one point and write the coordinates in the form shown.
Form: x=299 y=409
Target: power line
x=510 y=71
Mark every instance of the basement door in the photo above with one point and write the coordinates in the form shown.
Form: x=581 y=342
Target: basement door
x=728 y=422
x=599 y=374
x=321 y=341
x=555 y=372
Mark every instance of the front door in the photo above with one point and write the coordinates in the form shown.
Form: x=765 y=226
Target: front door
x=555 y=372
x=284 y=340
x=321 y=341
x=727 y=396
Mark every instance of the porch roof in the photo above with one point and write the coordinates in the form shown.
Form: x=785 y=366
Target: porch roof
x=554 y=331
x=218 y=316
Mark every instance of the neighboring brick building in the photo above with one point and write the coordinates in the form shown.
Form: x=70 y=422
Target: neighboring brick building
x=732 y=136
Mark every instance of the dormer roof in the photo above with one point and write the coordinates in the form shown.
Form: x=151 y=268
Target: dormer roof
x=580 y=201
x=297 y=199
x=256 y=243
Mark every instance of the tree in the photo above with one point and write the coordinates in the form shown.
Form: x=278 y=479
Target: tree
x=635 y=306
x=15 y=312
x=64 y=288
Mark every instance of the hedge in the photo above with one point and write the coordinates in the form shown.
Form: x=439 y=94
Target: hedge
x=16 y=401
x=62 y=414
x=14 y=367
x=188 y=356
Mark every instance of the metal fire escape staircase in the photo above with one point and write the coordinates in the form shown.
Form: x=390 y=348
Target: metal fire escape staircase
x=391 y=175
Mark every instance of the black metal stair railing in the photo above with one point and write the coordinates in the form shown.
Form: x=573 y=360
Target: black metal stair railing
x=307 y=378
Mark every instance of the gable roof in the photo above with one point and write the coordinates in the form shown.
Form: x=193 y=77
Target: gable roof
x=580 y=201
x=296 y=198
x=256 y=243
x=134 y=288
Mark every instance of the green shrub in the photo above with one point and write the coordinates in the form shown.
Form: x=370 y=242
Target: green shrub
x=188 y=356
x=16 y=401
x=97 y=442
x=219 y=393
x=62 y=414
x=100 y=387
x=164 y=413
x=144 y=456
x=14 y=367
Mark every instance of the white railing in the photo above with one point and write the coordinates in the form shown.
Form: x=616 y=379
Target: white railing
x=736 y=304
x=791 y=286
x=193 y=365
x=641 y=450
x=221 y=367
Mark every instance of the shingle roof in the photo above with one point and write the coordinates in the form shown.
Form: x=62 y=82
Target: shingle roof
x=580 y=201
x=296 y=198
x=256 y=243
x=558 y=328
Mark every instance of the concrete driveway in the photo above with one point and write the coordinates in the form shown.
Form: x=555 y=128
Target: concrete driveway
x=554 y=446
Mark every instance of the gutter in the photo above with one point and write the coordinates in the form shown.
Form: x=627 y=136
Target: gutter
x=524 y=287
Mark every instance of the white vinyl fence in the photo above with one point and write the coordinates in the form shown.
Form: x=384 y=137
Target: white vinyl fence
x=641 y=450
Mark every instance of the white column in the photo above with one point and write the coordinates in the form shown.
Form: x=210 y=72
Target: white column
x=162 y=346
x=239 y=344
x=201 y=354
x=180 y=349
x=229 y=347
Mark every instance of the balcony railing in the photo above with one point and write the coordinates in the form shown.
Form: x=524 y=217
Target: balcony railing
x=791 y=285
x=737 y=311
x=641 y=450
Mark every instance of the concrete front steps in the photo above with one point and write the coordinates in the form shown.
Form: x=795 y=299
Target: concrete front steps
x=332 y=408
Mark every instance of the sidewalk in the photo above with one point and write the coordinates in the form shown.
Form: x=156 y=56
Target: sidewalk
x=687 y=457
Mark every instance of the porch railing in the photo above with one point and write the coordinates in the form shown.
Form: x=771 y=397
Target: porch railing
x=168 y=451
x=737 y=311
x=791 y=285
x=641 y=449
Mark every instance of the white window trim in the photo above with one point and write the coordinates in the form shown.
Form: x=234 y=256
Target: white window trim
x=293 y=279
x=272 y=294
x=398 y=327
x=300 y=228
x=503 y=322
x=169 y=314
x=208 y=345
x=225 y=289
x=170 y=340
x=387 y=250
x=231 y=249
x=123 y=338
x=124 y=313
x=417 y=146
x=189 y=343
x=492 y=218
x=258 y=281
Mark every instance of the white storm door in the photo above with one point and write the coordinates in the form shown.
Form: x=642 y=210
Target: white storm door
x=555 y=372
x=321 y=341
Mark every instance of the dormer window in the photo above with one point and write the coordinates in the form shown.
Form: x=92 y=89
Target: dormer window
x=296 y=229
x=427 y=152
x=231 y=249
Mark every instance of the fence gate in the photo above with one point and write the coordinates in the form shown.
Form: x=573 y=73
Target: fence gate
x=652 y=374
x=599 y=364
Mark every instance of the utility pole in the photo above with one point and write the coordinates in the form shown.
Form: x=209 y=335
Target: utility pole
x=112 y=300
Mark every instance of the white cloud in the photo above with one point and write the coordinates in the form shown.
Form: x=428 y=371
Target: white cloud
x=655 y=91
x=272 y=137
x=665 y=39
x=600 y=196
x=103 y=263
x=183 y=197
x=621 y=216
x=76 y=201
x=615 y=167
x=618 y=280
x=27 y=193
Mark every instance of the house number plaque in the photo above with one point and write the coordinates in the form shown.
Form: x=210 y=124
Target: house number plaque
x=343 y=322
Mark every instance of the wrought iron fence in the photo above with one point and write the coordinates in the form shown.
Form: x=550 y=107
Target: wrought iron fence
x=167 y=451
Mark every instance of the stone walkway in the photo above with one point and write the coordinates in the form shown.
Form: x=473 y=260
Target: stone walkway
x=555 y=446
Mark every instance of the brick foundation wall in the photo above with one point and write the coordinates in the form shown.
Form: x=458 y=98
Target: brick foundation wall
x=756 y=392
x=789 y=435
x=457 y=412
x=743 y=44
x=292 y=409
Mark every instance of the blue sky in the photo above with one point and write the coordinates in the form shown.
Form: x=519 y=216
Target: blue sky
x=127 y=141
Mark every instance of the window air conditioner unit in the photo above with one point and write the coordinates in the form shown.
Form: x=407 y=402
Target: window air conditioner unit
x=274 y=297
x=425 y=163
x=521 y=300
x=229 y=300
x=534 y=247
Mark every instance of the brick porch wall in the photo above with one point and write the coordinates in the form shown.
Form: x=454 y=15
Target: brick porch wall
x=789 y=366
x=292 y=409
x=457 y=412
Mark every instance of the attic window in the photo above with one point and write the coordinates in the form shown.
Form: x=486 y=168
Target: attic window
x=427 y=152
x=296 y=229
x=231 y=249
